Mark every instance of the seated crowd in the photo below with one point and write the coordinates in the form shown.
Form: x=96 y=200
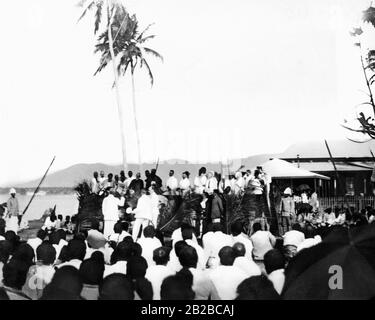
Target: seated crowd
x=56 y=265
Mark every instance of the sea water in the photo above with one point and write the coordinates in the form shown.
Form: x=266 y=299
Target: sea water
x=65 y=204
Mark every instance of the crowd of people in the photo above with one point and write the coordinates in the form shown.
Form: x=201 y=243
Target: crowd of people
x=133 y=260
x=87 y=265
x=151 y=193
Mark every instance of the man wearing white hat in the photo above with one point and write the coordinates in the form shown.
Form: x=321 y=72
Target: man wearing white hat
x=287 y=210
x=13 y=211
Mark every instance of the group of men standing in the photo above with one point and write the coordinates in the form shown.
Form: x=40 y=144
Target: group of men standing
x=209 y=184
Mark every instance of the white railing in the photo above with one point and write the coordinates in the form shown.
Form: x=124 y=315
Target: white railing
x=356 y=202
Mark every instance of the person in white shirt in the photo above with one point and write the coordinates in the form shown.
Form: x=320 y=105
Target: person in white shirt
x=95 y=183
x=239 y=185
x=177 y=234
x=172 y=183
x=157 y=272
x=119 y=259
x=294 y=237
x=255 y=184
x=263 y=241
x=310 y=239
x=128 y=180
x=214 y=240
x=149 y=243
x=184 y=184
x=187 y=236
x=227 y=277
x=97 y=242
x=76 y=250
x=247 y=178
x=304 y=197
x=120 y=230
x=37 y=241
x=211 y=183
x=40 y=274
x=239 y=236
x=58 y=240
x=102 y=180
x=50 y=222
x=174 y=263
x=203 y=286
x=274 y=263
x=242 y=262
x=200 y=181
x=111 y=212
x=154 y=199
x=143 y=214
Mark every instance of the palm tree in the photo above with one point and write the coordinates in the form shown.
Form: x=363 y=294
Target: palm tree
x=133 y=54
x=116 y=15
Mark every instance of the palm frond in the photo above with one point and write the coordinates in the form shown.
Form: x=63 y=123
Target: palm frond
x=154 y=53
x=98 y=16
x=144 y=62
x=143 y=40
x=144 y=31
x=369 y=15
x=89 y=7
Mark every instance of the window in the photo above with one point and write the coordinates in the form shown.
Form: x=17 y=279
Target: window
x=350 y=186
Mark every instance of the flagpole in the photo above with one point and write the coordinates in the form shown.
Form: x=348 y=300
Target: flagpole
x=37 y=188
x=337 y=176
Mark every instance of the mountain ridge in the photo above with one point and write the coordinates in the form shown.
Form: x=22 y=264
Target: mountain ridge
x=70 y=176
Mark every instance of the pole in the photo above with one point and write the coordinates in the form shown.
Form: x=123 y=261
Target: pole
x=117 y=90
x=337 y=176
x=37 y=188
x=157 y=165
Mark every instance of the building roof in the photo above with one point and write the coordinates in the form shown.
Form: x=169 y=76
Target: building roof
x=339 y=149
x=281 y=169
x=327 y=166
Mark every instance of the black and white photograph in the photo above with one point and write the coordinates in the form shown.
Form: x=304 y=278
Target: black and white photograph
x=207 y=151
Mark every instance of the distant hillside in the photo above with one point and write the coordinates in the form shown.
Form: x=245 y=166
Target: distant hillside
x=69 y=177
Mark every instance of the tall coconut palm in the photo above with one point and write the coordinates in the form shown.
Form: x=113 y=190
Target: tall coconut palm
x=117 y=16
x=133 y=54
x=129 y=46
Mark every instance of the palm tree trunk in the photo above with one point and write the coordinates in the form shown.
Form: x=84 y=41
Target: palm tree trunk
x=136 y=125
x=118 y=97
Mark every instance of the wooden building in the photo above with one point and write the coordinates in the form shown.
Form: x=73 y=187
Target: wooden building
x=354 y=163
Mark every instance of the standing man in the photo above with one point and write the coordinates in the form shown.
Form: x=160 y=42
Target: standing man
x=136 y=184
x=95 y=182
x=143 y=214
x=129 y=180
x=185 y=182
x=287 y=210
x=156 y=179
x=110 y=212
x=13 y=212
x=148 y=179
x=172 y=182
x=217 y=209
x=211 y=183
x=200 y=181
x=102 y=180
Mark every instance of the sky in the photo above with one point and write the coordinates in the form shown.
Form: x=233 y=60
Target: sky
x=239 y=78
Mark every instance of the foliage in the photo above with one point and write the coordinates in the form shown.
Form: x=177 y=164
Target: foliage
x=366 y=123
x=89 y=204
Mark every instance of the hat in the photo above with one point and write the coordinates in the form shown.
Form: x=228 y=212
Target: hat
x=129 y=210
x=288 y=191
x=95 y=239
x=238 y=174
x=12 y=190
